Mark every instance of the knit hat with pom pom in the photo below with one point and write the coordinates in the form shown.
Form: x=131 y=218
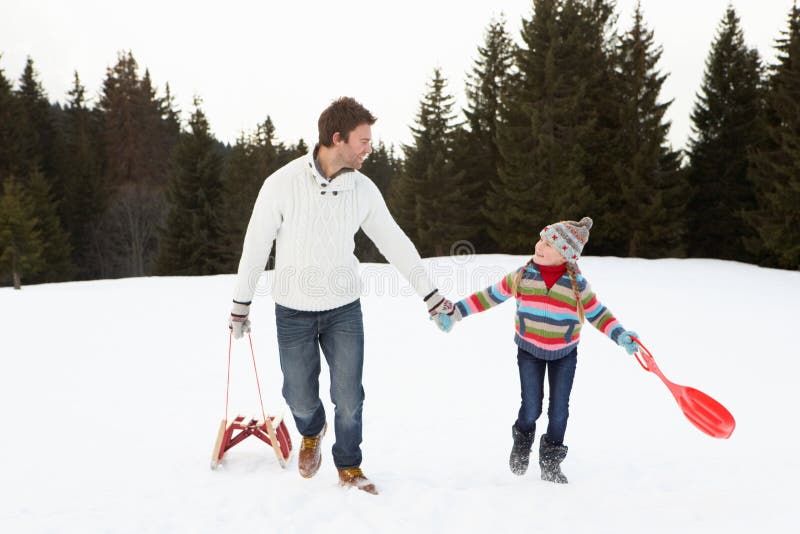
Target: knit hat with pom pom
x=568 y=237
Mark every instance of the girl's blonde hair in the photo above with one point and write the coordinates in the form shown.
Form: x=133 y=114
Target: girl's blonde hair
x=572 y=278
x=519 y=277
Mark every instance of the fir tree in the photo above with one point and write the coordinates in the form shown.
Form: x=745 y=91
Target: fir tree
x=11 y=160
x=192 y=238
x=86 y=194
x=20 y=241
x=122 y=141
x=547 y=124
x=56 y=250
x=159 y=126
x=588 y=39
x=139 y=132
x=291 y=152
x=37 y=131
x=252 y=159
x=402 y=199
x=725 y=128
x=775 y=164
x=478 y=154
x=135 y=144
x=430 y=187
x=381 y=167
x=170 y=115
x=652 y=185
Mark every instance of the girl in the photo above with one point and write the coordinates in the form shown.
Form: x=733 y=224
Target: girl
x=553 y=298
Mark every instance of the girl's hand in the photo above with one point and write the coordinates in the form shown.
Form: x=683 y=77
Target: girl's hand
x=625 y=340
x=445 y=322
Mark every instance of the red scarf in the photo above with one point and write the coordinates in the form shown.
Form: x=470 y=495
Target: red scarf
x=551 y=273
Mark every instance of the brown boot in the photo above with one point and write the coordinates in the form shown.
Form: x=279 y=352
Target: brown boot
x=310 y=457
x=354 y=477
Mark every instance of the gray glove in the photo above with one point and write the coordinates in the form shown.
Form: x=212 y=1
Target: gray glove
x=437 y=304
x=442 y=311
x=239 y=323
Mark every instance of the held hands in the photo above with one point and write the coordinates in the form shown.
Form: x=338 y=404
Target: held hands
x=625 y=340
x=442 y=311
x=445 y=322
x=238 y=322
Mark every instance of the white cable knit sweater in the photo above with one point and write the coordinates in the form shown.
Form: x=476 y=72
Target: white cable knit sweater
x=314 y=222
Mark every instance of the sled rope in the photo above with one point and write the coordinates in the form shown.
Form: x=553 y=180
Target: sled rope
x=228 y=383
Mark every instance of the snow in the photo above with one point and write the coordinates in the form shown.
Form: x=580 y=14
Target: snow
x=111 y=393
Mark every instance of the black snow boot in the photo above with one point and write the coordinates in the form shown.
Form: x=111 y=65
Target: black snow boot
x=550 y=458
x=521 y=451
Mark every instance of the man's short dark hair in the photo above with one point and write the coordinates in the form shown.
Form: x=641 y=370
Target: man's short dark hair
x=343 y=115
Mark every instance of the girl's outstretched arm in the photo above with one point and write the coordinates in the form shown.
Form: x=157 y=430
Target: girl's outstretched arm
x=598 y=314
x=489 y=297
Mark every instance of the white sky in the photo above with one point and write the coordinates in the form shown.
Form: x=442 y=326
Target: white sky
x=289 y=59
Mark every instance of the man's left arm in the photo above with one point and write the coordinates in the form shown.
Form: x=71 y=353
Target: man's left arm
x=392 y=242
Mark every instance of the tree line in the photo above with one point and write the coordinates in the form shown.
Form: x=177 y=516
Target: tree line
x=568 y=122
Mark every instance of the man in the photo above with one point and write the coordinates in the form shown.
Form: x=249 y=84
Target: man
x=313 y=207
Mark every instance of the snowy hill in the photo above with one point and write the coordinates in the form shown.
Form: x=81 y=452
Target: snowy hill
x=111 y=393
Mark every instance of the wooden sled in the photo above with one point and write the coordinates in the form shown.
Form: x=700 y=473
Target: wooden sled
x=271 y=431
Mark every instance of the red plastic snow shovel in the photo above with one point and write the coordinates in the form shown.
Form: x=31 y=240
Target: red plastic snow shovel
x=271 y=430
x=701 y=410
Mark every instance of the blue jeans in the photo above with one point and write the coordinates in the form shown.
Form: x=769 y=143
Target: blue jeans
x=340 y=334
x=560 y=375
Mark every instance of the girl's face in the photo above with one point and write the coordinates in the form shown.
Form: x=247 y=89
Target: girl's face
x=546 y=255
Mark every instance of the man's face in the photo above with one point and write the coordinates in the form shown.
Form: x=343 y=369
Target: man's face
x=355 y=150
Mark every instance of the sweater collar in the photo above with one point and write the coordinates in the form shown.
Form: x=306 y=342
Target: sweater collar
x=552 y=269
x=344 y=180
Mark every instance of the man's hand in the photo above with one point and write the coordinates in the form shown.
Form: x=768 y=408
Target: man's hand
x=239 y=323
x=442 y=311
x=437 y=304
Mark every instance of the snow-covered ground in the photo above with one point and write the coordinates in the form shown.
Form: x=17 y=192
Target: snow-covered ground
x=111 y=393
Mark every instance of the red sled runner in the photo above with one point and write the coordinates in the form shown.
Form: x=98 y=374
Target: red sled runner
x=269 y=429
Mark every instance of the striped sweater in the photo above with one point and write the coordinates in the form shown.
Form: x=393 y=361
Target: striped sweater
x=547 y=322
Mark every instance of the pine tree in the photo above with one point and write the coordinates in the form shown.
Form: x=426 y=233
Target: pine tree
x=477 y=153
x=159 y=128
x=547 y=124
x=192 y=238
x=37 y=131
x=56 y=249
x=170 y=115
x=139 y=134
x=588 y=42
x=20 y=241
x=381 y=167
x=11 y=117
x=402 y=199
x=86 y=193
x=252 y=159
x=725 y=128
x=430 y=187
x=652 y=185
x=129 y=110
x=775 y=164
x=300 y=149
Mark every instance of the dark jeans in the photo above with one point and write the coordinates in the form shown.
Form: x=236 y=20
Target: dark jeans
x=560 y=375
x=340 y=334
